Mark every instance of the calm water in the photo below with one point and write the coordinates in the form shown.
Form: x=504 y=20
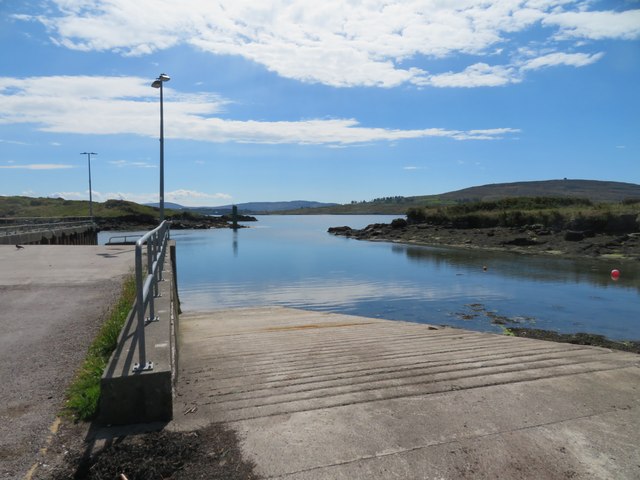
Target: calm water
x=292 y=261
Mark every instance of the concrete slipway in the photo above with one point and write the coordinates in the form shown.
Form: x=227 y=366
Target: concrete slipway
x=325 y=396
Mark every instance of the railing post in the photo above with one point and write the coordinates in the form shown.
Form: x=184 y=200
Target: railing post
x=142 y=356
x=147 y=285
x=153 y=287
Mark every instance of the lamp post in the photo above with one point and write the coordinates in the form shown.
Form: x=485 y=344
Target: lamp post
x=88 y=154
x=157 y=83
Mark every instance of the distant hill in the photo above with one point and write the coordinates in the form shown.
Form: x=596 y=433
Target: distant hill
x=170 y=205
x=594 y=190
x=249 y=207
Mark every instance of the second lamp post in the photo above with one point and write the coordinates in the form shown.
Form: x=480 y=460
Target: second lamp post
x=157 y=83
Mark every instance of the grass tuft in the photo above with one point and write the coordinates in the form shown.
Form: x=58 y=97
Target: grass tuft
x=508 y=332
x=83 y=394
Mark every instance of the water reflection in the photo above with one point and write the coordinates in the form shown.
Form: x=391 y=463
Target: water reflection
x=235 y=242
x=292 y=261
x=536 y=268
x=325 y=293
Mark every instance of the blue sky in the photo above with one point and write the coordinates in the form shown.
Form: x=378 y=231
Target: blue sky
x=329 y=101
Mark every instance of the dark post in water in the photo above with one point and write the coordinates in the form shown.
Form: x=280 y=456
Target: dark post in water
x=234 y=217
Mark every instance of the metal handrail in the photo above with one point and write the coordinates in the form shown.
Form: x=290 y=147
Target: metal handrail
x=42 y=227
x=125 y=240
x=147 y=285
x=34 y=220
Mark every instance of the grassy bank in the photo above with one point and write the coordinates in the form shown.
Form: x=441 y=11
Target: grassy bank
x=559 y=213
x=58 y=207
x=84 y=392
x=109 y=215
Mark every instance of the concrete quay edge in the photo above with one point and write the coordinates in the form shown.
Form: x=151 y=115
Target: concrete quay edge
x=128 y=397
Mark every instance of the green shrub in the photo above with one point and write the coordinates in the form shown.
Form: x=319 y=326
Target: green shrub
x=555 y=213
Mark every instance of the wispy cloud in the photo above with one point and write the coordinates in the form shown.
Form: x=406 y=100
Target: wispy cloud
x=127 y=163
x=559 y=58
x=596 y=25
x=38 y=166
x=122 y=106
x=189 y=198
x=339 y=43
x=13 y=142
x=477 y=75
x=484 y=75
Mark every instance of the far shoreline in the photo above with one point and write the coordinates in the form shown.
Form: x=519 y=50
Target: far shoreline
x=617 y=249
x=623 y=247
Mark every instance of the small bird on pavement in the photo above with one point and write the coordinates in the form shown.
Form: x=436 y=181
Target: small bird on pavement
x=19 y=247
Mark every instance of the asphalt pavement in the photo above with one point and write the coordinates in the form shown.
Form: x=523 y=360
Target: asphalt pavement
x=53 y=299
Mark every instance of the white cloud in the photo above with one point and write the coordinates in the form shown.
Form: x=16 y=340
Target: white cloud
x=192 y=197
x=559 y=58
x=189 y=198
x=73 y=106
x=477 y=75
x=13 y=142
x=127 y=163
x=373 y=43
x=71 y=195
x=38 y=166
x=597 y=25
x=483 y=75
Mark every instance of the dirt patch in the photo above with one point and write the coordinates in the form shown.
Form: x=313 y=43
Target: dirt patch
x=209 y=453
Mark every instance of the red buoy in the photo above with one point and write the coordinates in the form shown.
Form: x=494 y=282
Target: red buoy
x=615 y=274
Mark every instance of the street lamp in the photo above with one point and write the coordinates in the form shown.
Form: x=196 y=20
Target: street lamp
x=88 y=154
x=157 y=83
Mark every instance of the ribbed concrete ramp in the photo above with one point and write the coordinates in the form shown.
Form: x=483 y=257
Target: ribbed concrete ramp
x=318 y=395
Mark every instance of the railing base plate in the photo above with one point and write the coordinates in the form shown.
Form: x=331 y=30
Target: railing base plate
x=137 y=368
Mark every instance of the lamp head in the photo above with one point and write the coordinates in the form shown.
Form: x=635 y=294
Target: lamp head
x=163 y=77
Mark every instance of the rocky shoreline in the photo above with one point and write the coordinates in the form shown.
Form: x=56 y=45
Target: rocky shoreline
x=530 y=239
x=178 y=222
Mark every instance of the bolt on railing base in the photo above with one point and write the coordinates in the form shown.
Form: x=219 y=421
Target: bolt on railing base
x=137 y=368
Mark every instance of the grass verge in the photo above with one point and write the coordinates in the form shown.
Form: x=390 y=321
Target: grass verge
x=84 y=392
